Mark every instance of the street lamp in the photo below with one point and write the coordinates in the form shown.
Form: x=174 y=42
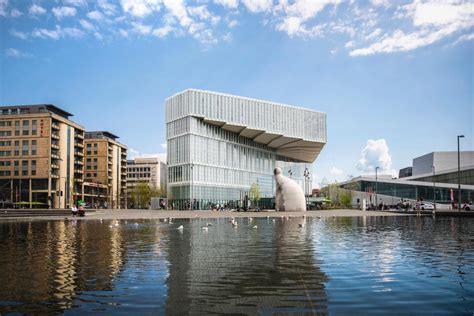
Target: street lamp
x=306 y=178
x=290 y=173
x=434 y=187
x=459 y=175
x=191 y=206
x=376 y=186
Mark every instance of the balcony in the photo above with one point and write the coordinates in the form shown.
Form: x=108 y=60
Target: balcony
x=54 y=146
x=80 y=171
x=79 y=153
x=79 y=162
x=54 y=166
x=78 y=180
x=55 y=126
x=79 y=135
x=54 y=156
x=80 y=145
x=55 y=135
x=55 y=175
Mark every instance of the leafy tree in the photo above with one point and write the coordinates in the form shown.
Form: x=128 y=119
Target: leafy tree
x=142 y=193
x=254 y=193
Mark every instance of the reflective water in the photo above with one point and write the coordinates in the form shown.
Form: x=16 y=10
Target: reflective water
x=394 y=265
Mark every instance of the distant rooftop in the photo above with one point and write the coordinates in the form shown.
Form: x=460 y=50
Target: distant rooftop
x=101 y=134
x=33 y=108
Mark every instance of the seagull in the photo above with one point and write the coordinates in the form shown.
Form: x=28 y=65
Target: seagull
x=234 y=224
x=319 y=217
x=274 y=220
x=255 y=226
x=209 y=224
x=136 y=224
x=250 y=218
x=268 y=217
x=204 y=228
x=180 y=227
x=301 y=225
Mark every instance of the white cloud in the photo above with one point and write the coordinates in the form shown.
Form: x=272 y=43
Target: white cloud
x=202 y=13
x=140 y=8
x=164 y=146
x=108 y=8
x=3 y=7
x=77 y=3
x=232 y=23
x=87 y=25
x=95 y=15
x=336 y=171
x=162 y=32
x=464 y=38
x=294 y=16
x=16 y=13
x=178 y=10
x=15 y=53
x=258 y=5
x=376 y=154
x=231 y=4
x=18 y=34
x=57 y=33
x=141 y=28
x=36 y=10
x=60 y=12
x=432 y=21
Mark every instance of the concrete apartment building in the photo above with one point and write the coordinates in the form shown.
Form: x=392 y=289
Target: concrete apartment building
x=41 y=156
x=105 y=170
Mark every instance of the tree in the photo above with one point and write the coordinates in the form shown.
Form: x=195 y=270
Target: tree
x=254 y=193
x=142 y=193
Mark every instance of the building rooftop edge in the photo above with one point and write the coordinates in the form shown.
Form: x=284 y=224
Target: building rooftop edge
x=246 y=98
x=52 y=107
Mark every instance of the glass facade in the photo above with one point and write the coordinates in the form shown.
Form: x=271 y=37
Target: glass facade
x=209 y=164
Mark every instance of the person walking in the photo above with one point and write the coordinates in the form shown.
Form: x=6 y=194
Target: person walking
x=74 y=210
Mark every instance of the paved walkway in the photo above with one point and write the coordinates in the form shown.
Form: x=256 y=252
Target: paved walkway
x=155 y=214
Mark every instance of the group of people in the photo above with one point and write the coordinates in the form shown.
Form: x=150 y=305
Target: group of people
x=78 y=210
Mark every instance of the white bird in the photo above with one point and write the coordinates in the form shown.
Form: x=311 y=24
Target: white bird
x=205 y=228
x=234 y=224
x=268 y=217
x=274 y=220
x=165 y=220
x=250 y=218
x=319 y=217
x=136 y=224
x=301 y=225
x=255 y=226
x=180 y=227
x=209 y=224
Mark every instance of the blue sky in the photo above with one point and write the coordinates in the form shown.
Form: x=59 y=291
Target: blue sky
x=396 y=80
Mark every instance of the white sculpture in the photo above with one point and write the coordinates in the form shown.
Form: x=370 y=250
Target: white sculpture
x=289 y=196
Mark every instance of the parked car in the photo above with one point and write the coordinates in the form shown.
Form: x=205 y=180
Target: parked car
x=468 y=207
x=425 y=207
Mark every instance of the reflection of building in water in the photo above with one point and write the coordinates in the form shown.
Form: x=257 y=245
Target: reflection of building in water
x=270 y=269
x=45 y=264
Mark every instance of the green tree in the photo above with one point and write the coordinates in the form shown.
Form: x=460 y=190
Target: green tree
x=254 y=193
x=142 y=193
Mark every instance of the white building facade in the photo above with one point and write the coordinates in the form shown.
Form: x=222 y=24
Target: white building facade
x=219 y=145
x=146 y=170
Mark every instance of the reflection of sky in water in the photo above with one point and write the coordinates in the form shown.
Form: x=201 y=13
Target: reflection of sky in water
x=338 y=265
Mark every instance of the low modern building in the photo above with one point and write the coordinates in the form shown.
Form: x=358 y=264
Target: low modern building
x=219 y=145
x=106 y=164
x=405 y=172
x=434 y=179
x=41 y=156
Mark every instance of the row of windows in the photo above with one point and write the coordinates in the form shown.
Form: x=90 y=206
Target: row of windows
x=16 y=168
x=140 y=169
x=138 y=175
x=272 y=117
x=21 y=127
x=25 y=148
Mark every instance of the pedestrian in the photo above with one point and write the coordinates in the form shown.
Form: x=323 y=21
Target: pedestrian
x=418 y=207
x=74 y=210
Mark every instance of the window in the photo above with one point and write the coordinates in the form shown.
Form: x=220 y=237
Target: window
x=5 y=163
x=5 y=133
x=17 y=148
x=5 y=143
x=25 y=147
x=34 y=127
x=95 y=174
x=5 y=153
x=5 y=123
x=4 y=173
x=24 y=168
x=88 y=175
x=33 y=147
x=88 y=164
x=95 y=163
x=17 y=128
x=95 y=148
x=16 y=166
x=33 y=167
x=89 y=149
x=26 y=127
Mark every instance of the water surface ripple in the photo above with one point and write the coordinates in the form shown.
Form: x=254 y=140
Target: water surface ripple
x=363 y=265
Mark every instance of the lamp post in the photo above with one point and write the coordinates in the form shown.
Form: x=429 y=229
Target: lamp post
x=459 y=175
x=191 y=206
x=290 y=173
x=434 y=187
x=376 y=186
x=306 y=178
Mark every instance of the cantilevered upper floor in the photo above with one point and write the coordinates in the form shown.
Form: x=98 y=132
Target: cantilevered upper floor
x=294 y=132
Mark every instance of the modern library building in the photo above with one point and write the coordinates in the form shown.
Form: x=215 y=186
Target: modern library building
x=220 y=145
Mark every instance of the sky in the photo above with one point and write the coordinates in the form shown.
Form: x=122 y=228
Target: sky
x=394 y=77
